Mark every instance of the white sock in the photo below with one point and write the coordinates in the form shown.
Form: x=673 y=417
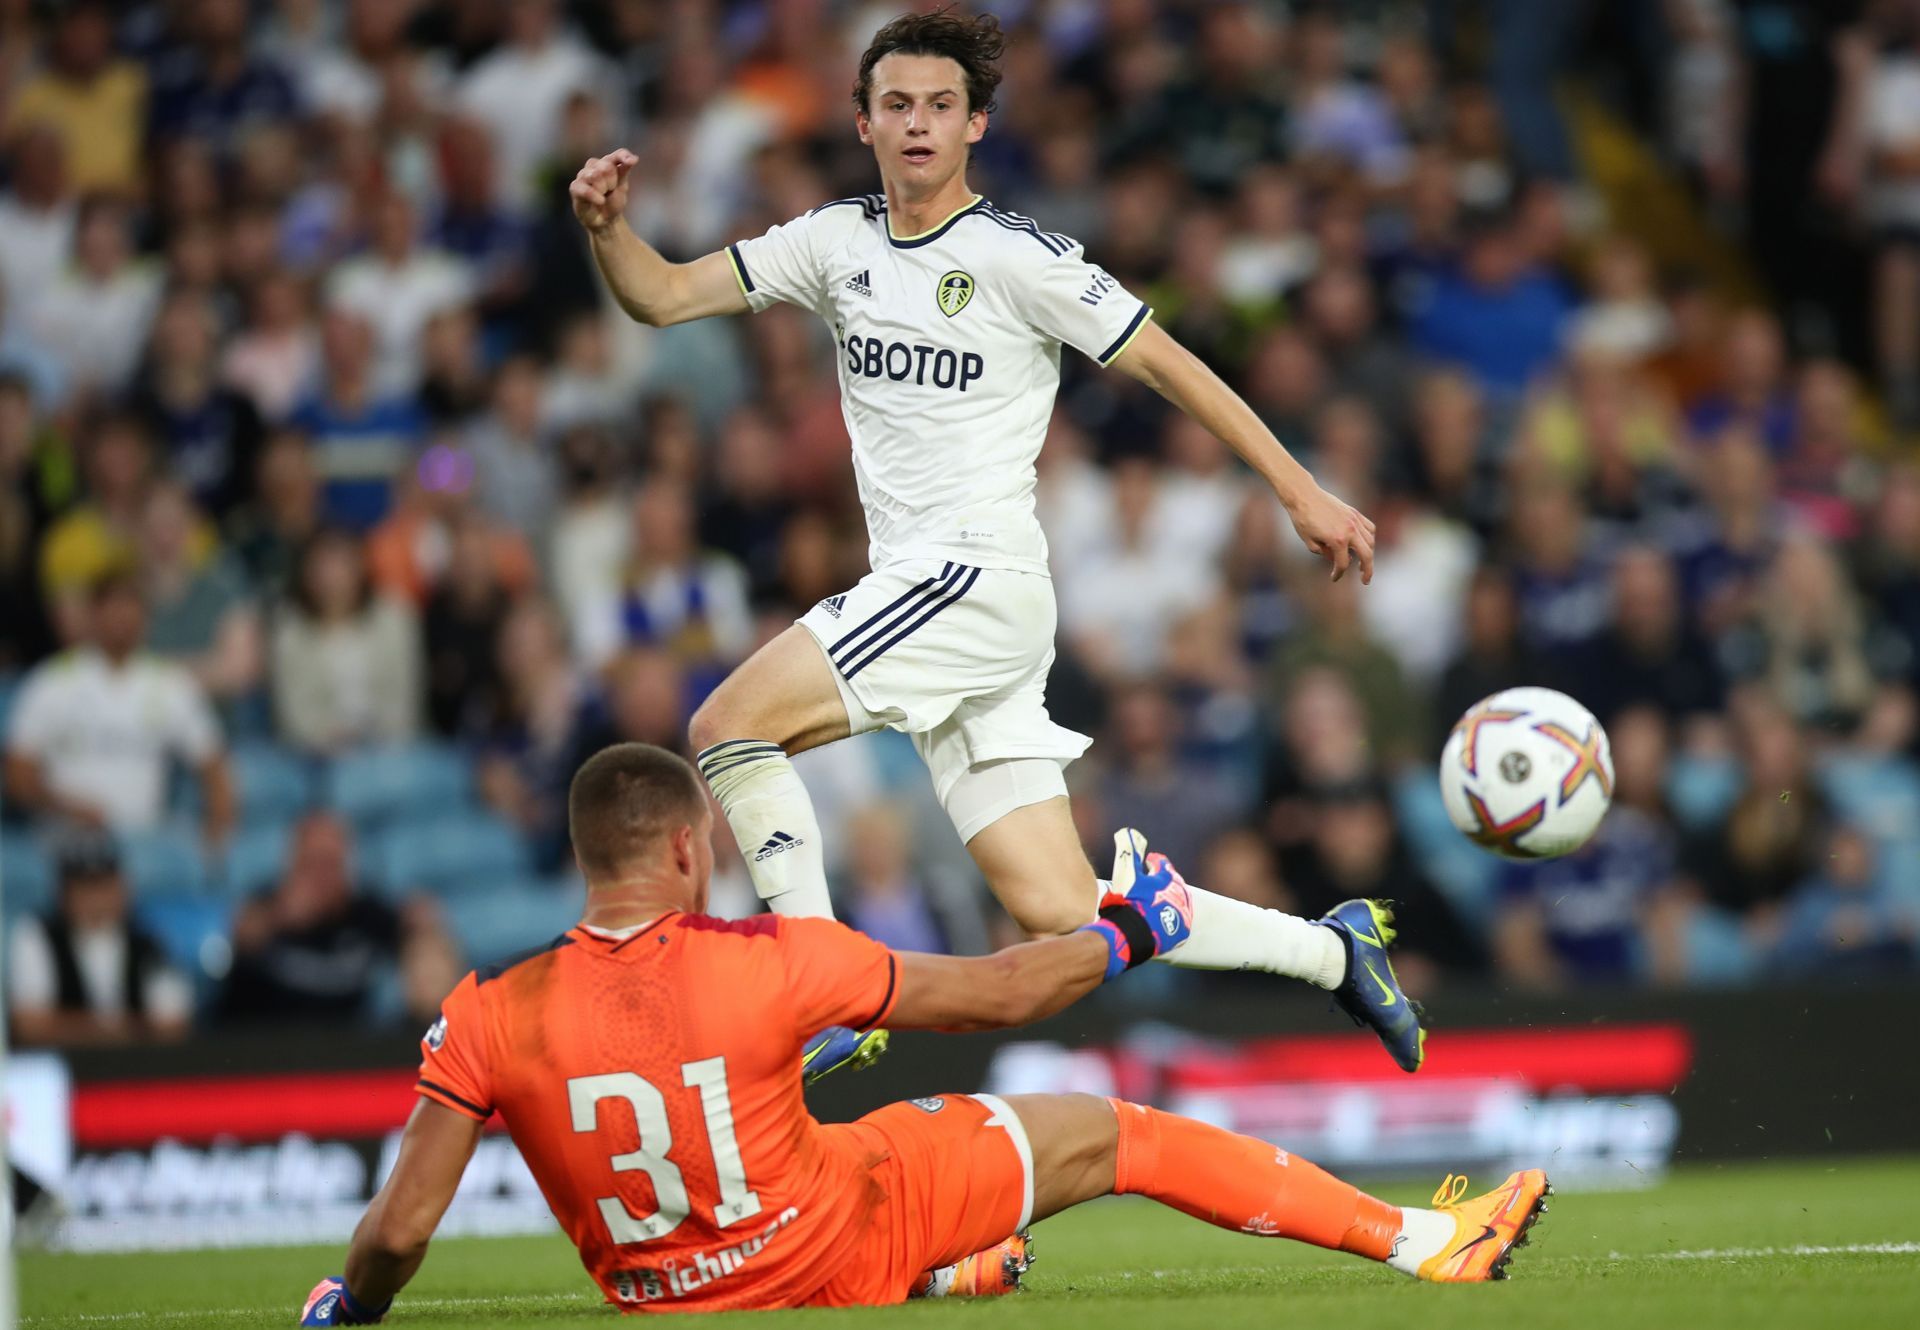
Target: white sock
x=767 y=806
x=1231 y=934
x=1423 y=1235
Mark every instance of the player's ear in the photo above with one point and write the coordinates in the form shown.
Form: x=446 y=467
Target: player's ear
x=864 y=127
x=976 y=126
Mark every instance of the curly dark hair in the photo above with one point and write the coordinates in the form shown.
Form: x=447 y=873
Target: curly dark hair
x=975 y=44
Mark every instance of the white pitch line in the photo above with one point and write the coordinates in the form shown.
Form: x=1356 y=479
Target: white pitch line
x=1760 y=1253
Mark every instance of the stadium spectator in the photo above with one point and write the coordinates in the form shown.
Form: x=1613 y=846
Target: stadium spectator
x=274 y=358
x=1353 y=850
x=93 y=100
x=513 y=467
x=1752 y=391
x=396 y=287
x=1362 y=361
x=85 y=973
x=268 y=531
x=316 y=947
x=26 y=634
x=1807 y=642
x=454 y=384
x=42 y=374
x=361 y=437
x=1771 y=838
x=211 y=88
x=346 y=666
x=520 y=91
x=884 y=898
x=91 y=734
x=461 y=625
x=1649 y=654
x=1845 y=920
x=94 y=313
x=38 y=216
x=200 y=613
x=1115 y=604
x=1493 y=656
x=675 y=596
x=209 y=434
x=1333 y=636
x=1494 y=314
x=1146 y=781
x=590 y=529
x=533 y=738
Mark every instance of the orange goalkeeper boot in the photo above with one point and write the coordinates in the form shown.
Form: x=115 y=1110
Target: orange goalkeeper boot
x=1487 y=1228
x=992 y=1273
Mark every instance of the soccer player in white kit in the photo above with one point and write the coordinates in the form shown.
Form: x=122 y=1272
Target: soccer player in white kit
x=948 y=314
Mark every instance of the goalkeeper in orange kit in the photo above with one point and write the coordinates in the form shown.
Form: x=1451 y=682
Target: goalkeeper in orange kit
x=646 y=1063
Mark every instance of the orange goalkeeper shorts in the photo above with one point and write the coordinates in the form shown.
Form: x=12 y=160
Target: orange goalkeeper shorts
x=957 y=1175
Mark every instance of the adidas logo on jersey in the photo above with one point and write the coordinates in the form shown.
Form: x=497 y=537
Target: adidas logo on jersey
x=833 y=605
x=861 y=282
x=776 y=843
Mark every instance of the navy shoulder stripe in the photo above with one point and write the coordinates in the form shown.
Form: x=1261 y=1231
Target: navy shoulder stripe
x=500 y=967
x=1055 y=243
x=871 y=205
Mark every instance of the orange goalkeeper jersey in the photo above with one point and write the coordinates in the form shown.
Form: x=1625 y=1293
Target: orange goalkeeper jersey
x=652 y=1081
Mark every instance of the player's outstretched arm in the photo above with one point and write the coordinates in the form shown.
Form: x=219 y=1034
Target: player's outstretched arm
x=392 y=1236
x=647 y=286
x=1326 y=526
x=1146 y=912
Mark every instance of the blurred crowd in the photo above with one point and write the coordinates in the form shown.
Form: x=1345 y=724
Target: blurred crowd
x=321 y=447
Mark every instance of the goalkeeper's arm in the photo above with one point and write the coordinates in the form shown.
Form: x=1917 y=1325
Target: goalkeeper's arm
x=392 y=1237
x=1145 y=912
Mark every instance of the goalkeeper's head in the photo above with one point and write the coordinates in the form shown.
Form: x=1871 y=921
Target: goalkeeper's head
x=641 y=825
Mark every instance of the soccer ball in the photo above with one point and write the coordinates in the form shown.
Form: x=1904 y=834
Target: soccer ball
x=1527 y=773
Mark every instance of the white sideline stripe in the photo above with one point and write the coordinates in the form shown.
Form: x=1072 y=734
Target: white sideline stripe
x=448 y=1304
x=1758 y=1253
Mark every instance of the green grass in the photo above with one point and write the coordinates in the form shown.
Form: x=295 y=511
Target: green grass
x=1598 y=1262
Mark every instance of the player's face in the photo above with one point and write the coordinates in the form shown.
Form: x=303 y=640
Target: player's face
x=917 y=121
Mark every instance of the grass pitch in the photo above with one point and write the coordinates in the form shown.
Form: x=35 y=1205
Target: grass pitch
x=1801 y=1245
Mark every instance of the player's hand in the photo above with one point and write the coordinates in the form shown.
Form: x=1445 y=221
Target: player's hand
x=1335 y=531
x=331 y=1304
x=599 y=191
x=1147 y=909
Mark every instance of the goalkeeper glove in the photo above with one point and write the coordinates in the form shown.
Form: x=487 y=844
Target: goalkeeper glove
x=1146 y=910
x=331 y=1303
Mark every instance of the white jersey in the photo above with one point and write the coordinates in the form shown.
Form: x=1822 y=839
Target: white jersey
x=949 y=360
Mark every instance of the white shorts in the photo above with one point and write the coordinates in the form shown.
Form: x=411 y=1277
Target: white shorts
x=957 y=657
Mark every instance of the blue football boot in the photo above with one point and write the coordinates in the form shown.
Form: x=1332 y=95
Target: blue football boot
x=836 y=1047
x=1370 y=993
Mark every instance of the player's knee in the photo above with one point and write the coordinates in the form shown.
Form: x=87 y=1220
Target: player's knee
x=1051 y=907
x=715 y=721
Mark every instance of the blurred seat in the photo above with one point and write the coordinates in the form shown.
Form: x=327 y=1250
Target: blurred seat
x=165 y=860
x=256 y=858
x=510 y=917
x=272 y=784
x=26 y=873
x=1701 y=789
x=1458 y=867
x=193 y=930
x=450 y=855
x=375 y=786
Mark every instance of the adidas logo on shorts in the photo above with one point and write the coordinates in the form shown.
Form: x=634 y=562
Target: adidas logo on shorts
x=777 y=842
x=860 y=283
x=833 y=605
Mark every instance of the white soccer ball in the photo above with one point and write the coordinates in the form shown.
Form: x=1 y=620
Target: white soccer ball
x=1527 y=773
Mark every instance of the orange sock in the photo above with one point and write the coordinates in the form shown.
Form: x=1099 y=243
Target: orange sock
x=1237 y=1182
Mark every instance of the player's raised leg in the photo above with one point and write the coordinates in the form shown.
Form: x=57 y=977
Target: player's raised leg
x=1085 y=1147
x=783 y=700
x=1033 y=860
